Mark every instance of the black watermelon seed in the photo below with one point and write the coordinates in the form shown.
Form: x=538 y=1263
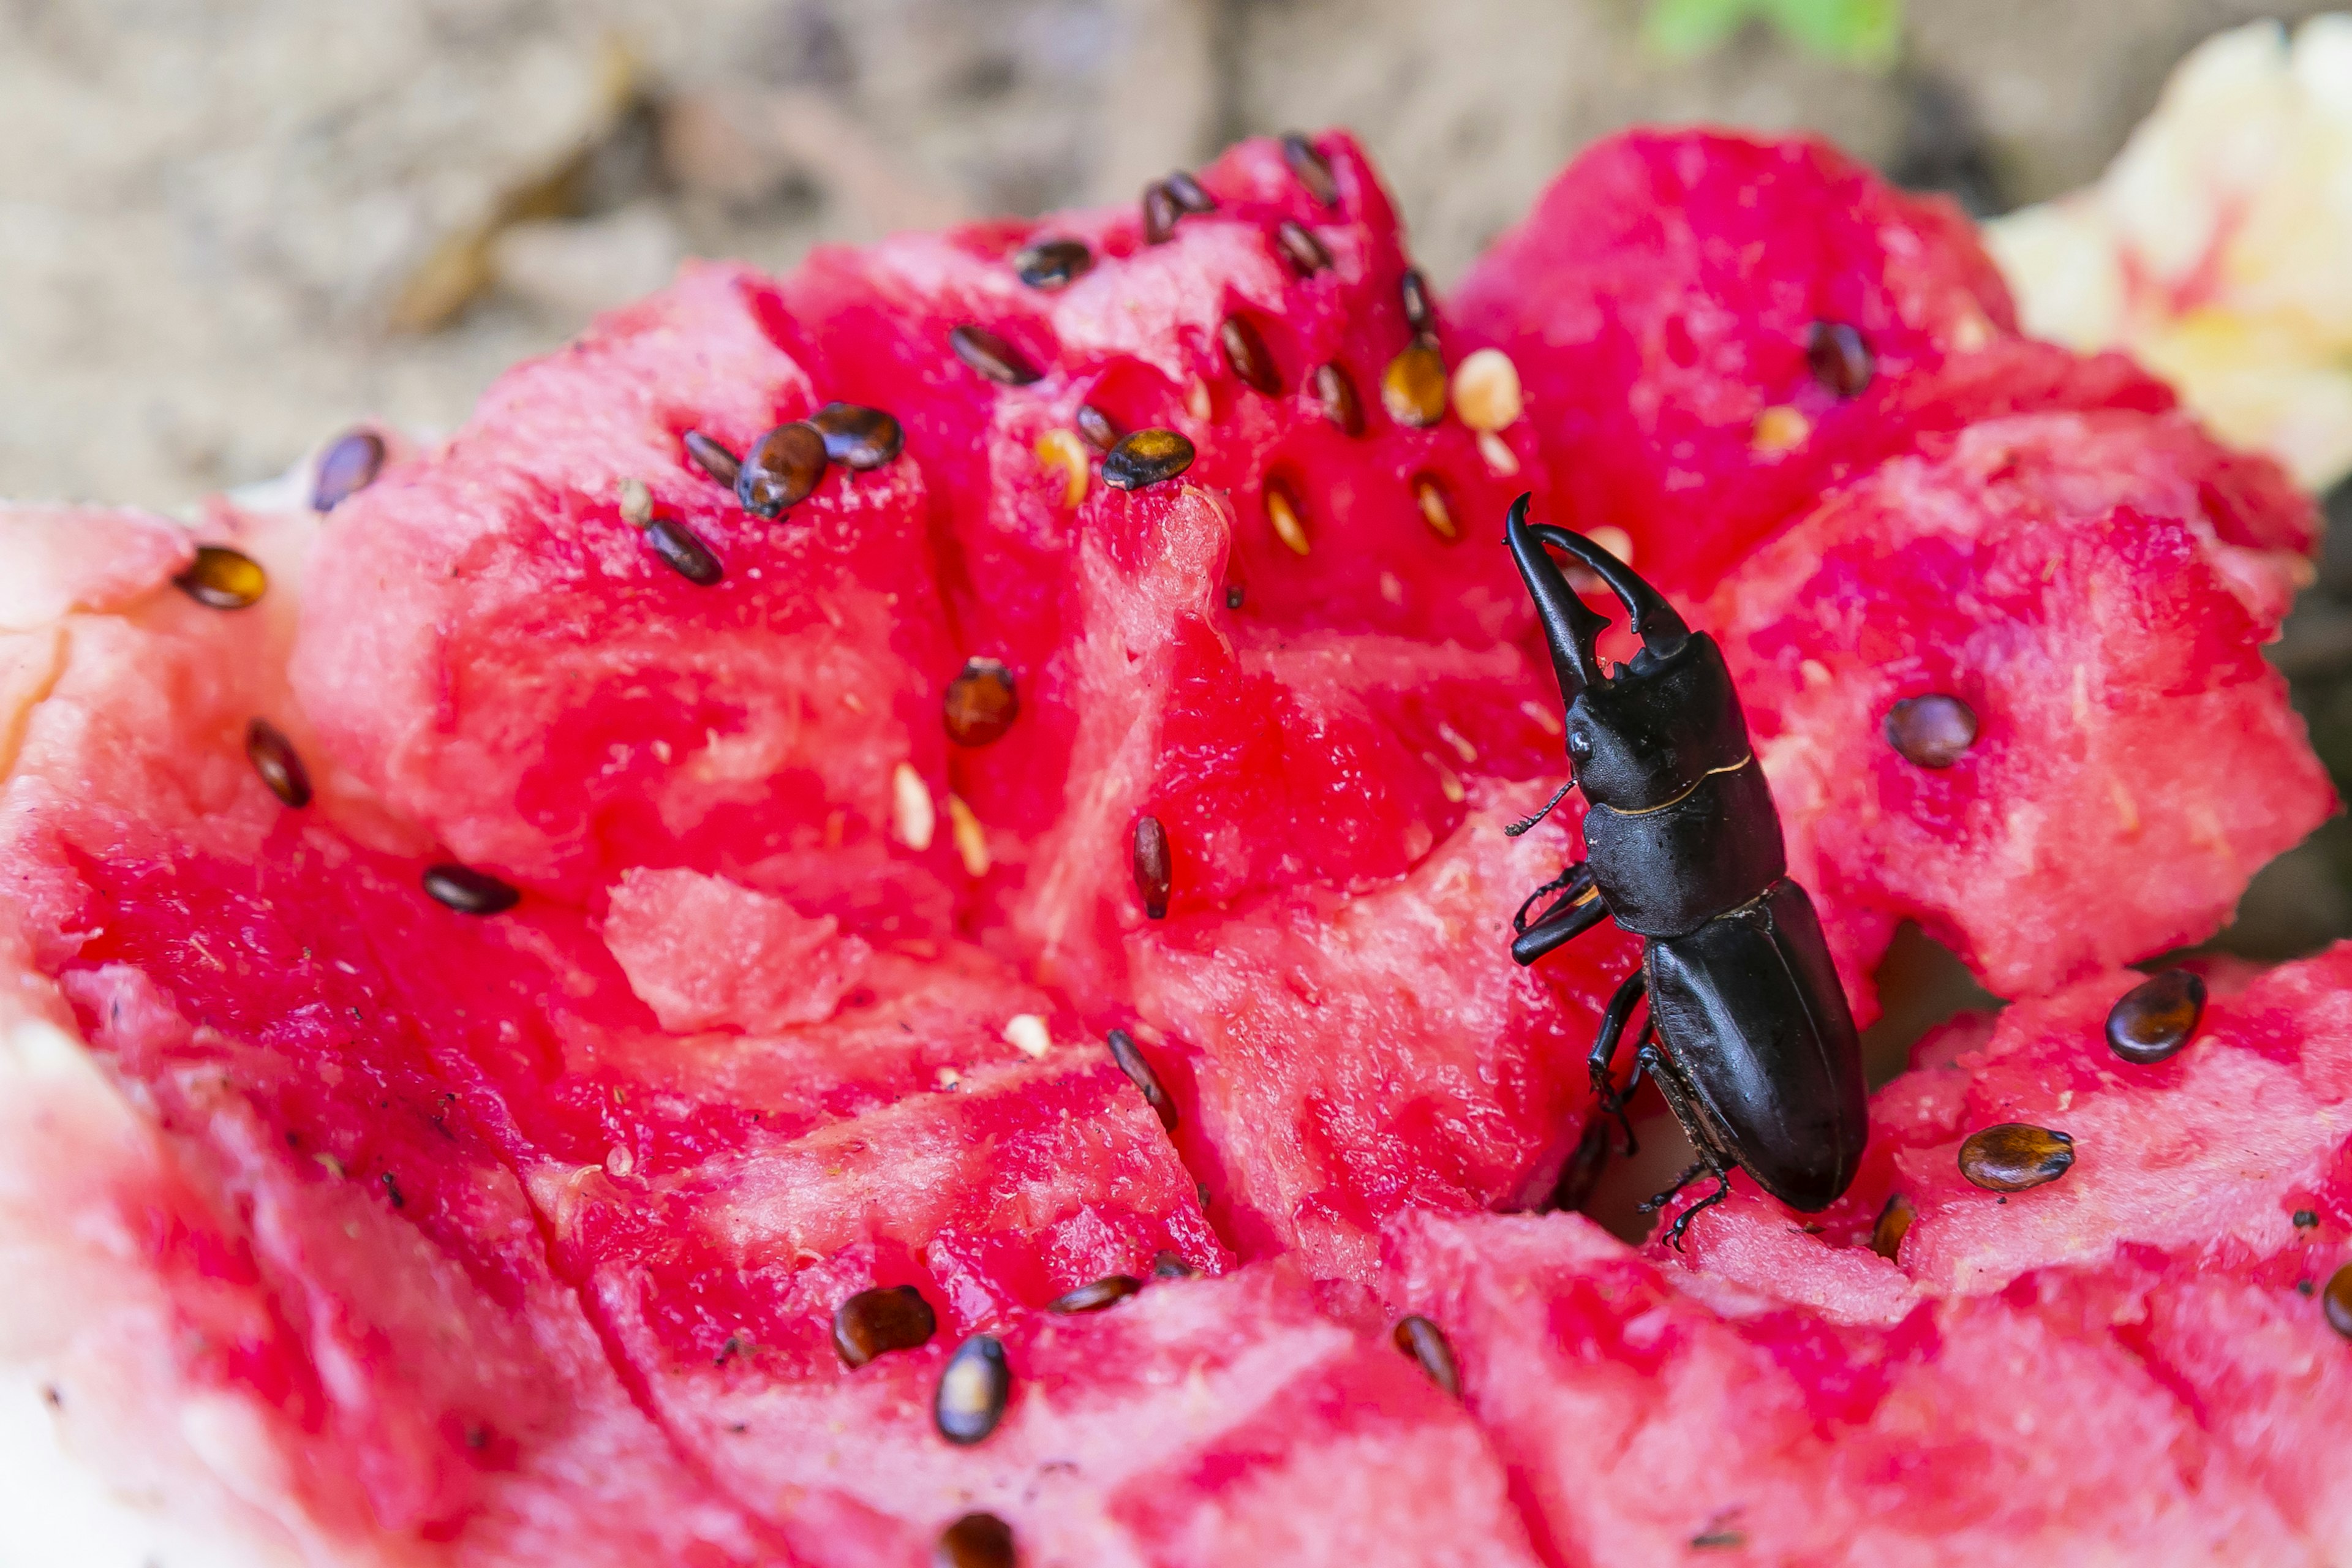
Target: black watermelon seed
x=2015 y=1157
x=1933 y=731
x=857 y=437
x=1168 y=1265
x=1311 y=169
x=1146 y=458
x=1299 y=246
x=1336 y=393
x=1054 y=263
x=1095 y=427
x=885 y=1319
x=981 y=703
x=1893 y=1225
x=223 y=579
x=1412 y=289
x=2336 y=1301
x=991 y=357
x=1187 y=194
x=1247 y=353
x=1160 y=214
x=1840 y=358
x=345 y=469
x=781 y=470
x=1426 y=1344
x=2156 y=1018
x=972 y=1389
x=712 y=457
x=1109 y=1290
x=468 y=892
x=1138 y=1072
x=685 y=555
x=1154 y=869
x=274 y=758
x=1233 y=597
x=2306 y=1218
x=1581 y=1175
x=975 y=1541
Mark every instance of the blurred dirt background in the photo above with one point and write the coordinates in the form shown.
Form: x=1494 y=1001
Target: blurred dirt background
x=229 y=226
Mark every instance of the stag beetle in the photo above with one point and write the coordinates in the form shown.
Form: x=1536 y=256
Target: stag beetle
x=1748 y=1035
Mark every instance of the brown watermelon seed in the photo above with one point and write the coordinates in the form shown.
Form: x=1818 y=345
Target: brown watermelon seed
x=1933 y=731
x=2336 y=1301
x=1247 y=353
x=1146 y=458
x=1054 y=263
x=1426 y=1342
x=1095 y=426
x=1580 y=1176
x=1412 y=289
x=1106 y=1292
x=1154 y=872
x=274 y=758
x=712 y=457
x=468 y=892
x=1282 y=516
x=1840 y=358
x=684 y=553
x=1188 y=194
x=223 y=579
x=1299 y=246
x=1138 y=1072
x=1336 y=393
x=973 y=1390
x=857 y=437
x=981 y=703
x=1168 y=1265
x=345 y=469
x=2156 y=1018
x=976 y=1541
x=991 y=357
x=1893 y=1225
x=887 y=1318
x=1160 y=214
x=781 y=470
x=1430 y=496
x=2015 y=1157
x=1413 y=386
x=1311 y=169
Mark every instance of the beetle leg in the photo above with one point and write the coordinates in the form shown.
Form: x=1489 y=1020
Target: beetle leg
x=1573 y=881
x=1577 y=911
x=1601 y=1062
x=1713 y=1157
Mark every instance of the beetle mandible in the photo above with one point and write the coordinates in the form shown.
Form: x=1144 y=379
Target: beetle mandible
x=1748 y=1035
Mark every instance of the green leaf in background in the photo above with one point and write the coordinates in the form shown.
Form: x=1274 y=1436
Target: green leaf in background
x=1857 y=32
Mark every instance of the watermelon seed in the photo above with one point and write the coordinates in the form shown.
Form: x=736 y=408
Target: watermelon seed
x=1187 y=194
x=1311 y=169
x=1124 y=1051
x=1336 y=393
x=1247 y=353
x=972 y=1389
x=1062 y=451
x=1233 y=597
x=345 y=469
x=1430 y=496
x=2304 y=1287
x=1299 y=246
x=468 y=892
x=857 y=437
x=1840 y=358
x=1108 y=1290
x=1933 y=731
x=392 y=1190
x=1426 y=1342
x=1486 y=392
x=1282 y=516
x=913 y=817
x=1146 y=458
x=1413 y=290
x=991 y=357
x=1779 y=429
x=2156 y=1018
x=2335 y=1300
x=1168 y=1265
x=1160 y=214
x=1154 y=872
x=975 y=1541
x=2015 y=1156
x=711 y=457
x=1718 y=1540
x=1893 y=1225
x=223 y=579
x=1095 y=426
x=971 y=839
x=1054 y=263
x=685 y=555
x=274 y=758
x=1580 y=1176
x=887 y=1318
x=2306 y=1218
x=981 y=703
x=781 y=470
x=637 y=503
x=1413 y=388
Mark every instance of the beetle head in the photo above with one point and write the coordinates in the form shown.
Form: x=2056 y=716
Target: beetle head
x=1643 y=734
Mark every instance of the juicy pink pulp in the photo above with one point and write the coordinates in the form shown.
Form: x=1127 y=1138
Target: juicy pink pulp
x=501 y=1239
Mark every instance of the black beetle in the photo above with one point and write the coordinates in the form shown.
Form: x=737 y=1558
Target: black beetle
x=1748 y=1036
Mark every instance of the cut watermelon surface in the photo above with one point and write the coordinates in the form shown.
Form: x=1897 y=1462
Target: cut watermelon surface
x=766 y=991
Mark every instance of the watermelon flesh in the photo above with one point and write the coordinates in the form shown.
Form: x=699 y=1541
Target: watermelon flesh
x=458 y=1218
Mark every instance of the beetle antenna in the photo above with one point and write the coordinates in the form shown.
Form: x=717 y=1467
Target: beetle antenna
x=1526 y=822
x=1657 y=623
x=1571 y=627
